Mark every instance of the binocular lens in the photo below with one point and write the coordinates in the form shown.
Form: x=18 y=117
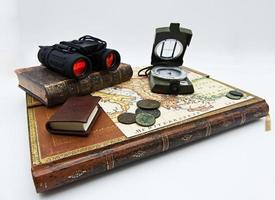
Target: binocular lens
x=79 y=67
x=110 y=60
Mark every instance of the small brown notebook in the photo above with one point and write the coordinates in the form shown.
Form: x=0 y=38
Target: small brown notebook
x=75 y=117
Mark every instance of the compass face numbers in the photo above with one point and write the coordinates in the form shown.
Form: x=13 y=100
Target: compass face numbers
x=169 y=73
x=168 y=49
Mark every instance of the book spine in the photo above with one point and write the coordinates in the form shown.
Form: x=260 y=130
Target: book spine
x=95 y=162
x=59 y=92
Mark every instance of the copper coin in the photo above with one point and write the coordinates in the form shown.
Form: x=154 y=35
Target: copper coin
x=155 y=112
x=236 y=93
x=145 y=119
x=148 y=104
x=127 y=118
x=233 y=97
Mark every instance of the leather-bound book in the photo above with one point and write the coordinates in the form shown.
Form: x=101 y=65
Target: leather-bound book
x=52 y=88
x=75 y=117
x=58 y=160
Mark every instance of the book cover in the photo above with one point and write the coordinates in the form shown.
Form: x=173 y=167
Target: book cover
x=59 y=160
x=75 y=117
x=52 y=88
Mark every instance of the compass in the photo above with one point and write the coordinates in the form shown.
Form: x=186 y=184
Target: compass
x=167 y=55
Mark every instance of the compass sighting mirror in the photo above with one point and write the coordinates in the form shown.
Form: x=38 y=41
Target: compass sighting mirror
x=168 y=49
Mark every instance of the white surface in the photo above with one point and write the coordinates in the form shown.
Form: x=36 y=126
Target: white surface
x=233 y=42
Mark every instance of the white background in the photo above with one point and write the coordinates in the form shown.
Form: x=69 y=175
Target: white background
x=233 y=41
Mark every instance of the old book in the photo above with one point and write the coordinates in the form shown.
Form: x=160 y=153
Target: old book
x=75 y=117
x=59 y=160
x=52 y=88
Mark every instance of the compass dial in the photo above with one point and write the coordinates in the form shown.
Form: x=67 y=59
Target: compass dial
x=169 y=73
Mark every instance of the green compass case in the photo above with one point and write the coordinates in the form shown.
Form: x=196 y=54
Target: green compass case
x=166 y=76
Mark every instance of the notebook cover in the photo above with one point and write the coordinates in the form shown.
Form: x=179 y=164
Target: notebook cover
x=59 y=160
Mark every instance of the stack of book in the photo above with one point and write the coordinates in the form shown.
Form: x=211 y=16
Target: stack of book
x=52 y=88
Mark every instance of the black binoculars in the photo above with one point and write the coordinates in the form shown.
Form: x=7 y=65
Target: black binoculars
x=78 y=58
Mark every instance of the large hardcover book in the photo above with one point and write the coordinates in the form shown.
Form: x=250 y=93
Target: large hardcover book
x=58 y=160
x=52 y=88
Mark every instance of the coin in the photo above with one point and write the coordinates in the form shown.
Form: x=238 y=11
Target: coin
x=145 y=119
x=230 y=96
x=148 y=104
x=236 y=93
x=155 y=112
x=127 y=118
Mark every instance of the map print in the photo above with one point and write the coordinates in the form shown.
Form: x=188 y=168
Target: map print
x=209 y=96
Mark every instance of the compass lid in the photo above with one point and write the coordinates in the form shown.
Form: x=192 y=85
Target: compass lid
x=170 y=45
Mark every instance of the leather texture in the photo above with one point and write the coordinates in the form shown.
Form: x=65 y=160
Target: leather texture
x=49 y=145
x=75 y=109
x=101 y=158
x=52 y=89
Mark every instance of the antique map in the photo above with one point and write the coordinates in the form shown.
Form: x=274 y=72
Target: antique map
x=209 y=96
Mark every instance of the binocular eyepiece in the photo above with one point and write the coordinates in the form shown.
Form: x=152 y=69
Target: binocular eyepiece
x=78 y=58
